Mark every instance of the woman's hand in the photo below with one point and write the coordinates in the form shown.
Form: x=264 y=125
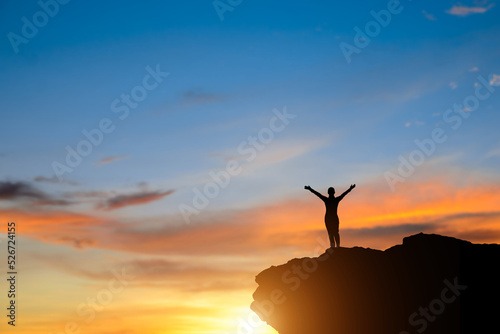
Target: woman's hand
x=307 y=187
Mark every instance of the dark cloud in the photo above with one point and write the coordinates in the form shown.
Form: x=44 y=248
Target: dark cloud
x=380 y=231
x=85 y=195
x=51 y=201
x=478 y=235
x=142 y=197
x=469 y=215
x=12 y=191
x=41 y=178
x=445 y=225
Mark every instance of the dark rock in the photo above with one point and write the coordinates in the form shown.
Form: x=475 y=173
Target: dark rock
x=429 y=284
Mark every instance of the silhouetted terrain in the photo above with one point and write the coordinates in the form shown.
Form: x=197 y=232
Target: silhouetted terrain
x=429 y=284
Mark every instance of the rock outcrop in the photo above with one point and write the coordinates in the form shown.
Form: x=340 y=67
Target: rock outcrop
x=429 y=284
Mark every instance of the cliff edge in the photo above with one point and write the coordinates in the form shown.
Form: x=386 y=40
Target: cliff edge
x=429 y=284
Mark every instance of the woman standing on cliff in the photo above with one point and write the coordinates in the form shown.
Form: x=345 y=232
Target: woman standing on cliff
x=331 y=216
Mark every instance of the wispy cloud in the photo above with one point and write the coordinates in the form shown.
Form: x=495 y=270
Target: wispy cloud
x=142 y=197
x=429 y=16
x=110 y=159
x=168 y=273
x=453 y=85
x=194 y=97
x=493 y=153
x=459 y=10
x=53 y=180
x=415 y=123
x=495 y=80
x=30 y=196
x=53 y=201
x=85 y=195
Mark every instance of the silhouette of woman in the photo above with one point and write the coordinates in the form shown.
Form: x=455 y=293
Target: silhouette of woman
x=331 y=216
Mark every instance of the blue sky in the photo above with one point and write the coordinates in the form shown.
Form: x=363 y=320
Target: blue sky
x=226 y=77
x=350 y=122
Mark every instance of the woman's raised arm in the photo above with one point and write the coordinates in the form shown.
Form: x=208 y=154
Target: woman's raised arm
x=347 y=191
x=315 y=192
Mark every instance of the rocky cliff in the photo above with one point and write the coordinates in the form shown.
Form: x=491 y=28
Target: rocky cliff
x=429 y=284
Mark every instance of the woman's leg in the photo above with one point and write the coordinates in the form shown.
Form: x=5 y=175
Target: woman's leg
x=331 y=235
x=332 y=226
x=336 y=237
x=330 y=231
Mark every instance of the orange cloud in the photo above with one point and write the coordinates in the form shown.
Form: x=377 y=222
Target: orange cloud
x=370 y=216
x=55 y=226
x=203 y=257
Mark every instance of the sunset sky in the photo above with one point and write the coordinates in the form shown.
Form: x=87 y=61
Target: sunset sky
x=154 y=153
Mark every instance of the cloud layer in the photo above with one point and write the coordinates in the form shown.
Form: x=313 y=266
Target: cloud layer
x=369 y=217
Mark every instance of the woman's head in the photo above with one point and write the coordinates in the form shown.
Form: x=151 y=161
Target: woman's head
x=331 y=191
